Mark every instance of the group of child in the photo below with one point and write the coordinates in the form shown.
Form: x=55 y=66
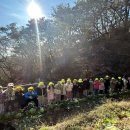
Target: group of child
x=14 y=97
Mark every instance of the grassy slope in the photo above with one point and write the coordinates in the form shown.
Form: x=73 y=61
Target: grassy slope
x=111 y=115
x=92 y=113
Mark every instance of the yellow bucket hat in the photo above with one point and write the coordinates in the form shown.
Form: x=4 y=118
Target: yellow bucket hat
x=75 y=80
x=96 y=79
x=68 y=80
x=30 y=88
x=50 y=83
x=19 y=88
x=63 y=81
x=80 y=81
x=40 y=84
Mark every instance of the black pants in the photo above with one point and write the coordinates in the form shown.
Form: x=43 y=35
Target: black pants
x=107 y=92
x=35 y=100
x=101 y=91
x=74 y=94
x=80 y=93
x=62 y=97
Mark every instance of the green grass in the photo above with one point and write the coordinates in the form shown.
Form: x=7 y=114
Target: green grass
x=109 y=116
x=92 y=113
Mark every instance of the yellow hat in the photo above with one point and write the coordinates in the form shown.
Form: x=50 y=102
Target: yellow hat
x=40 y=84
x=30 y=88
x=119 y=77
x=96 y=79
x=80 y=81
x=19 y=88
x=101 y=78
x=112 y=78
x=75 y=80
x=63 y=80
x=59 y=82
x=68 y=80
x=50 y=83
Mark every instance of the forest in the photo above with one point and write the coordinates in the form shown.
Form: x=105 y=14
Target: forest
x=88 y=39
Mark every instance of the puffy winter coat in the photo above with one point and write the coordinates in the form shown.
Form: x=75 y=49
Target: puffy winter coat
x=107 y=83
x=86 y=84
x=57 y=89
x=30 y=95
x=96 y=84
x=41 y=91
x=69 y=87
x=101 y=86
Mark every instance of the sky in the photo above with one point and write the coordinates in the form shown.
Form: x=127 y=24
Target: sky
x=16 y=10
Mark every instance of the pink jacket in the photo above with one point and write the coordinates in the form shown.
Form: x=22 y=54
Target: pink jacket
x=96 y=84
x=101 y=86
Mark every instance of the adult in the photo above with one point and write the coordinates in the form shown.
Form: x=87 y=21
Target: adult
x=2 y=98
x=10 y=102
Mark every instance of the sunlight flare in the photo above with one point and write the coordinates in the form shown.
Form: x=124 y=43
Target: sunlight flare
x=34 y=10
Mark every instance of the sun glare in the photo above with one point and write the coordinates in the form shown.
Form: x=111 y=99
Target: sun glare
x=34 y=10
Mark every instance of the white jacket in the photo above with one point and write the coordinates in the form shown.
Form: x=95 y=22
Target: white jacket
x=63 y=89
x=57 y=89
x=69 y=87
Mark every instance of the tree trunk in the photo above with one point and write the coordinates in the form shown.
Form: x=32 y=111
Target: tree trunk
x=126 y=23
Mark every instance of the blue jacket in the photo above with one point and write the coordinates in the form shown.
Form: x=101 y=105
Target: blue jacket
x=30 y=95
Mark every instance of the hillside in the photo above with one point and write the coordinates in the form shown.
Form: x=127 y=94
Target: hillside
x=92 y=113
x=109 y=116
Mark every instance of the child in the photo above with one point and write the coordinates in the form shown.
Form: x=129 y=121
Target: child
x=86 y=86
x=107 y=85
x=80 y=88
x=91 y=87
x=101 y=86
x=50 y=92
x=112 y=85
x=1 y=100
x=128 y=84
x=63 y=90
x=57 y=91
x=30 y=96
x=19 y=94
x=75 y=88
x=125 y=82
x=96 y=86
x=69 y=87
x=119 y=85
x=41 y=91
